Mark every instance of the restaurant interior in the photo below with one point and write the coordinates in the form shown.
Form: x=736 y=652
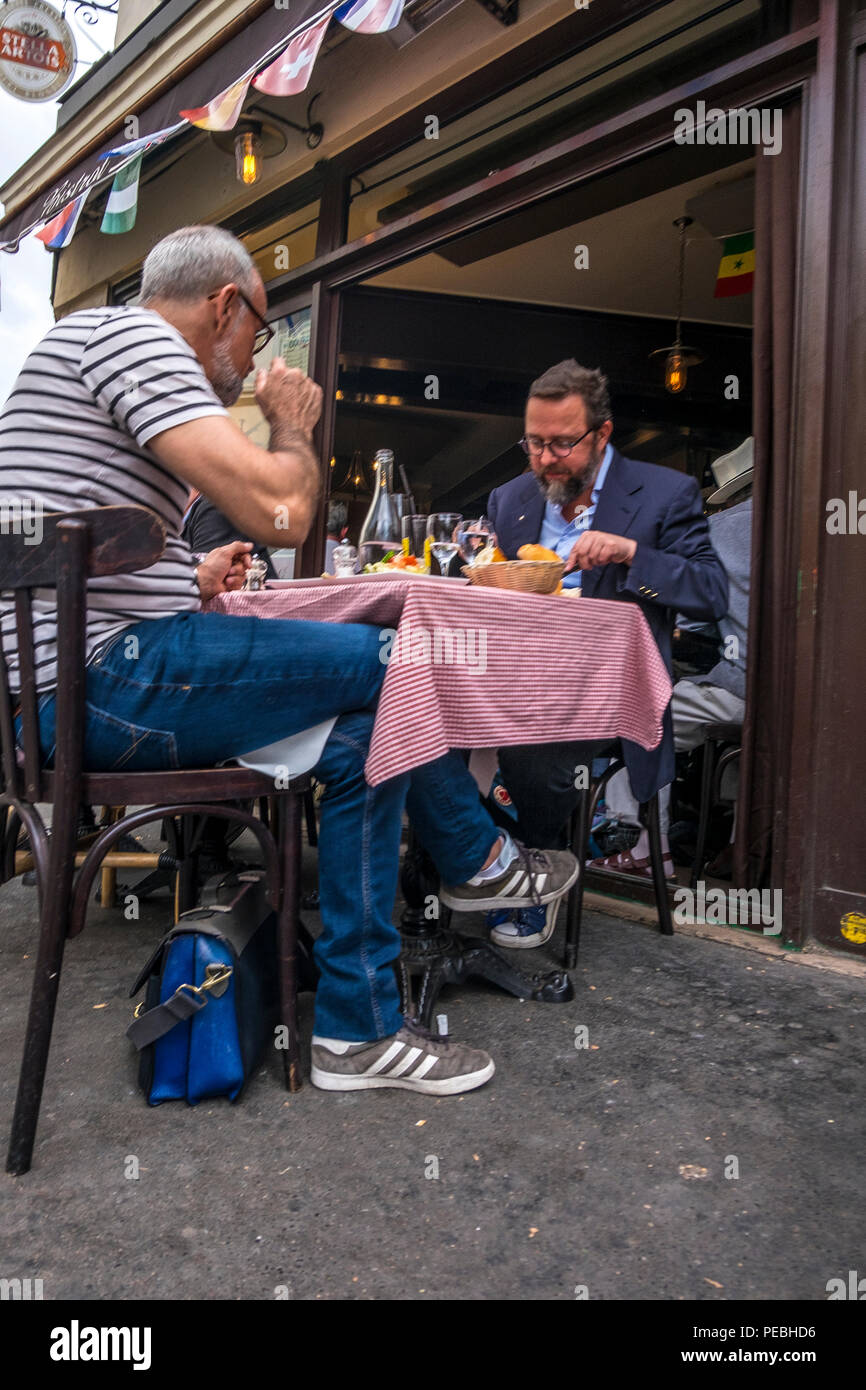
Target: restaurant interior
x=437 y=354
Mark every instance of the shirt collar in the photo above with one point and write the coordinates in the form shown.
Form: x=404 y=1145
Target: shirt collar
x=602 y=474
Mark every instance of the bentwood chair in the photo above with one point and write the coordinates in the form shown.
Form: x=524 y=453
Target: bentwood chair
x=581 y=825
x=74 y=546
x=716 y=737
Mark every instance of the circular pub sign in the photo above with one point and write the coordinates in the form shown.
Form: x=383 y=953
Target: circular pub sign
x=37 y=50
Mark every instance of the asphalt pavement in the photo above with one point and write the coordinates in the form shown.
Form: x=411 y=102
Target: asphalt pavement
x=688 y=1127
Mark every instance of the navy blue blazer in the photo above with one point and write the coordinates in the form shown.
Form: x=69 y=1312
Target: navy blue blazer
x=675 y=569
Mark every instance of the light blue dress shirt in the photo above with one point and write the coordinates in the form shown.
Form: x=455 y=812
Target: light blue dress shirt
x=560 y=535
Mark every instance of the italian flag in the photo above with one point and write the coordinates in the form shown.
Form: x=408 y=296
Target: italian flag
x=122 y=205
x=737 y=270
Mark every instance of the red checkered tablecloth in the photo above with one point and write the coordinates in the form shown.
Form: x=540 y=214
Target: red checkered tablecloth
x=483 y=668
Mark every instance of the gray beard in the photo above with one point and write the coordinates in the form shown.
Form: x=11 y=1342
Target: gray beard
x=560 y=493
x=227 y=381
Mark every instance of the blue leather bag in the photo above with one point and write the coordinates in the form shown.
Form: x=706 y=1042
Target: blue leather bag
x=211 y=1004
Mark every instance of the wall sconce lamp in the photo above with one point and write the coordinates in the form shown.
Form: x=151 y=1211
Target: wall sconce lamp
x=251 y=142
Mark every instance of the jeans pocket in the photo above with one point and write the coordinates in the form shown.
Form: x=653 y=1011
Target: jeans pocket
x=117 y=745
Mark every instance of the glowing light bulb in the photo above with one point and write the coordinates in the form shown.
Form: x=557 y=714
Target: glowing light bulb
x=248 y=161
x=675 y=373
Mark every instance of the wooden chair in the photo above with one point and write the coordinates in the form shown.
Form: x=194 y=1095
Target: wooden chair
x=716 y=737
x=581 y=825
x=75 y=545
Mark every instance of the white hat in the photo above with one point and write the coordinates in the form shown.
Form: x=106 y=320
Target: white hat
x=733 y=472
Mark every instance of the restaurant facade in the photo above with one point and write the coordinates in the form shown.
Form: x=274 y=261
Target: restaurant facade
x=451 y=207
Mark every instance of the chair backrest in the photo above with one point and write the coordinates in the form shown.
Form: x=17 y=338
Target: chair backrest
x=73 y=547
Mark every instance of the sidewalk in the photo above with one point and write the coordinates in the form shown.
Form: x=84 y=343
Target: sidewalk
x=602 y=1167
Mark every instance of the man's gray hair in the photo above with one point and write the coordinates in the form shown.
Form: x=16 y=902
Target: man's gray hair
x=338 y=517
x=570 y=379
x=193 y=261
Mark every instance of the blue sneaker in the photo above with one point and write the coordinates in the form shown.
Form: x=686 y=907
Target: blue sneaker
x=524 y=928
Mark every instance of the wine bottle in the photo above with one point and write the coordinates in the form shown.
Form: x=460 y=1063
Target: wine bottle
x=381 y=532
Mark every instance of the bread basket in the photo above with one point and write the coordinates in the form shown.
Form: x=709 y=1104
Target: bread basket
x=525 y=576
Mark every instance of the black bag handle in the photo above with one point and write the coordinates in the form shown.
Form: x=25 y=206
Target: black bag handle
x=186 y=1001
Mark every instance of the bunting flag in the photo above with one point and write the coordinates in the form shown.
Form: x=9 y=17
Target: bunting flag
x=737 y=269
x=291 y=72
x=122 y=205
x=222 y=113
x=61 y=229
x=144 y=143
x=370 y=16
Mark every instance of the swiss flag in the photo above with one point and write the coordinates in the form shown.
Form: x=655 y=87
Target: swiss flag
x=289 y=74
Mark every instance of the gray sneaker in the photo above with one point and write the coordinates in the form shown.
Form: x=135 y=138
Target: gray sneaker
x=412 y=1059
x=535 y=877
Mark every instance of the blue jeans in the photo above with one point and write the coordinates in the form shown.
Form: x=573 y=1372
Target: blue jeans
x=204 y=687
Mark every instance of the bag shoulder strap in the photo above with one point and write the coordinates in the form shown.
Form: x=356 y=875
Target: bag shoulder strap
x=147 y=1028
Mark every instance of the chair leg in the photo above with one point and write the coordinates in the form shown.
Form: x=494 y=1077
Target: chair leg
x=310 y=817
x=660 y=884
x=580 y=823
x=46 y=982
x=288 y=813
x=704 y=813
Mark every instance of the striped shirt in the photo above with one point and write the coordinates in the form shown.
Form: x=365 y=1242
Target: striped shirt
x=74 y=433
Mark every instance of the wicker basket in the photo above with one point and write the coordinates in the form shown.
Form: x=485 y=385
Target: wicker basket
x=528 y=576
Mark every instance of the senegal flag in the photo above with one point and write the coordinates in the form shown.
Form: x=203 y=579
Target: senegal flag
x=737 y=270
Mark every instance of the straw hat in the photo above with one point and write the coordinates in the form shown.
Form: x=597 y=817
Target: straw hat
x=733 y=472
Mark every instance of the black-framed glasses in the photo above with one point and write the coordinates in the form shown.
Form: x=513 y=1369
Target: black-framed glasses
x=560 y=448
x=265 y=333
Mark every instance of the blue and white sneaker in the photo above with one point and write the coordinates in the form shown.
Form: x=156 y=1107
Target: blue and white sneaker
x=524 y=928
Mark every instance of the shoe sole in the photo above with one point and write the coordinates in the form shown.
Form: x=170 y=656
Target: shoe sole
x=525 y=943
x=448 y=1086
x=490 y=904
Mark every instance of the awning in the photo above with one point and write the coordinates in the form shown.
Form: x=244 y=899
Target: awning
x=264 y=37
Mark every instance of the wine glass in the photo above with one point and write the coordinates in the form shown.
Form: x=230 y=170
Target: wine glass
x=473 y=536
x=442 y=528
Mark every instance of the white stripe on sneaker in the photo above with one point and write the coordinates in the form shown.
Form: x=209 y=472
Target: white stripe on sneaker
x=423 y=1067
x=515 y=886
x=405 y=1062
x=387 y=1057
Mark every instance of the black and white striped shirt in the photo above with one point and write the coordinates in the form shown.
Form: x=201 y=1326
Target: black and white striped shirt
x=74 y=434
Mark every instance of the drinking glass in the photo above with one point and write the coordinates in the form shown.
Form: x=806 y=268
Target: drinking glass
x=473 y=536
x=414 y=529
x=442 y=530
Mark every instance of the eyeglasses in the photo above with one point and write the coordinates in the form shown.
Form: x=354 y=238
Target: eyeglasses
x=265 y=333
x=560 y=448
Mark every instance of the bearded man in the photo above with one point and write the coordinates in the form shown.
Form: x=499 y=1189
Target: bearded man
x=628 y=531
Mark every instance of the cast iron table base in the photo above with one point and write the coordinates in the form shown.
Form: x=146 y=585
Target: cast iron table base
x=441 y=956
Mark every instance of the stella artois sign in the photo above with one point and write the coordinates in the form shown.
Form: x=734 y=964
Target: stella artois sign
x=37 y=50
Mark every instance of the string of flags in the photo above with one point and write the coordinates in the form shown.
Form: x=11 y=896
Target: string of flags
x=285 y=70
